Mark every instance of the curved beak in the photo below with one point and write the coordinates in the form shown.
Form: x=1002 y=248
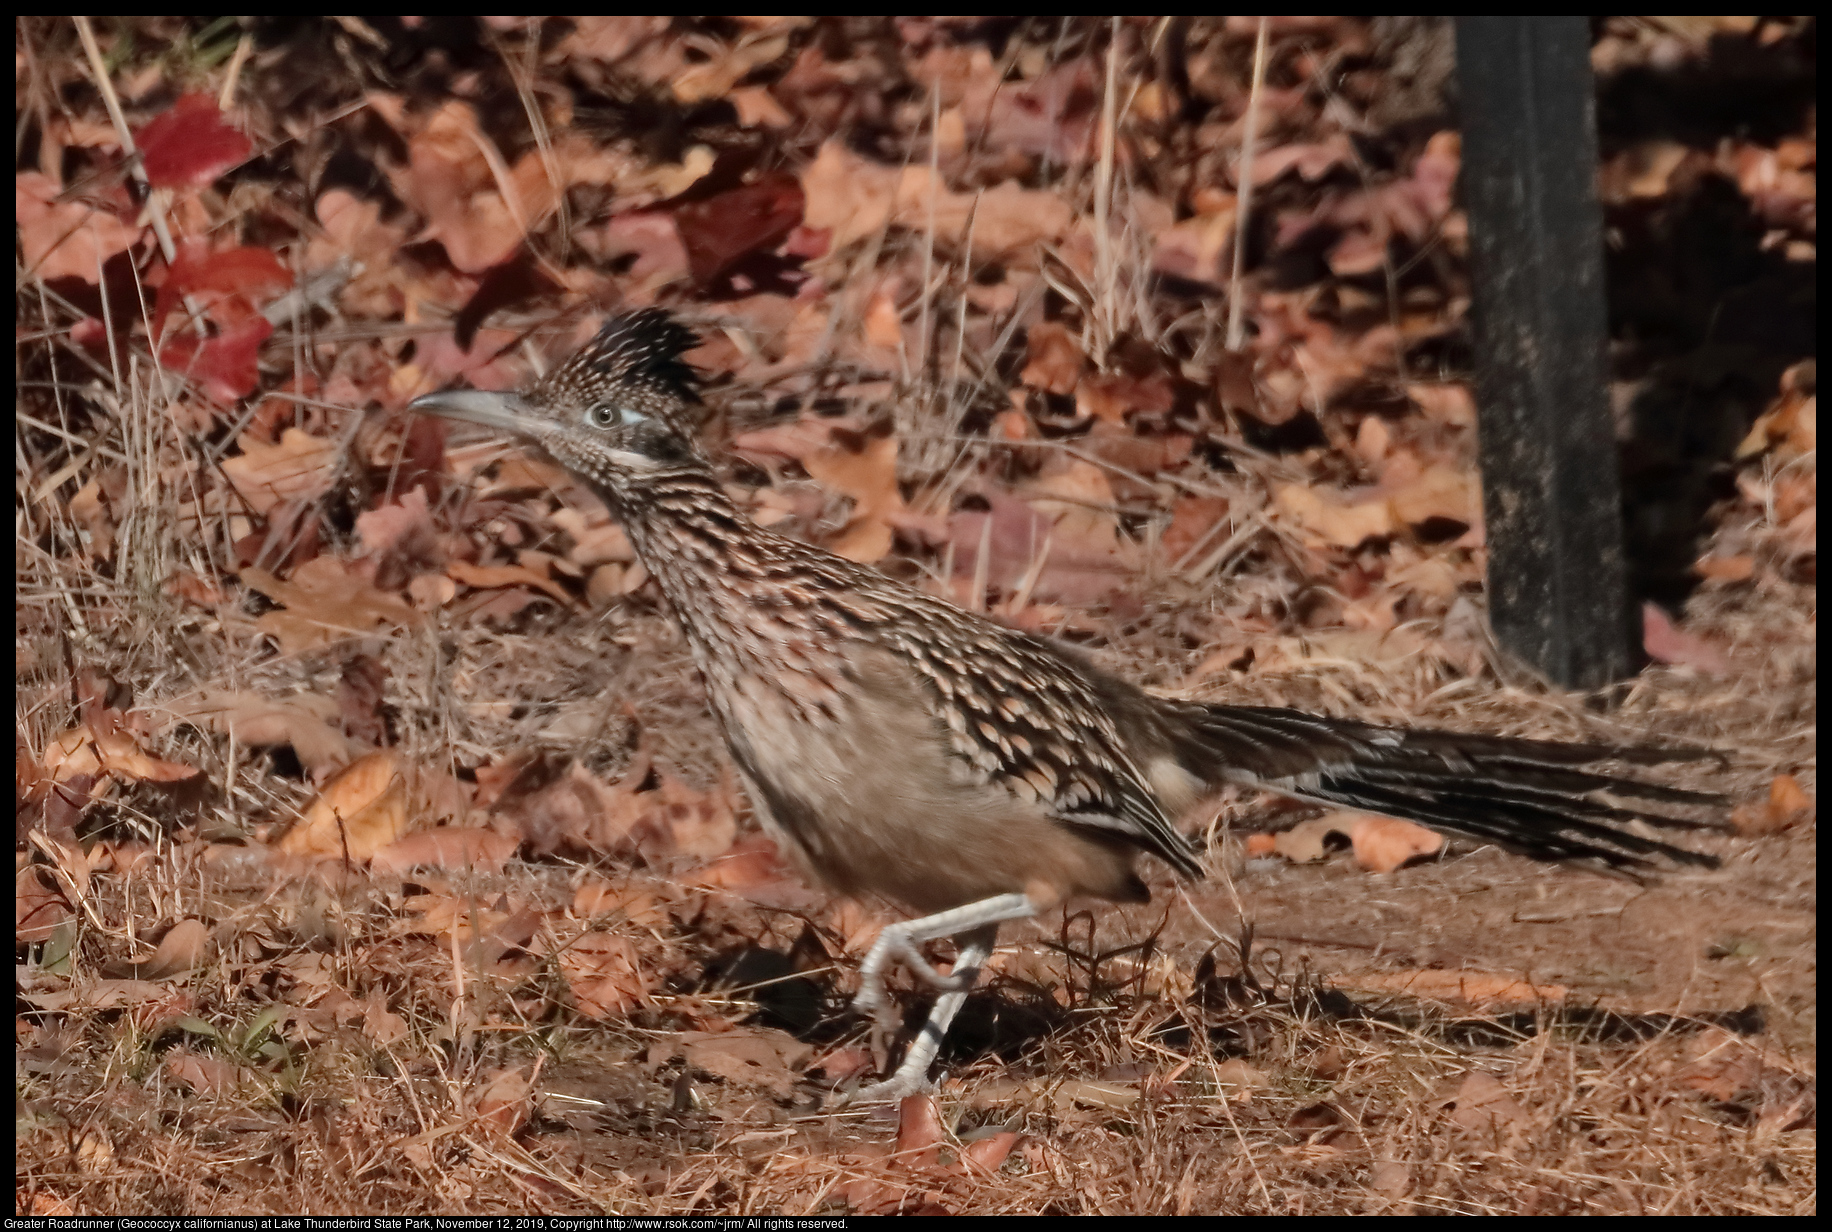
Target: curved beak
x=506 y=412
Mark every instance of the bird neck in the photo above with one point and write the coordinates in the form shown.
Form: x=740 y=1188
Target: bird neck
x=742 y=593
x=692 y=538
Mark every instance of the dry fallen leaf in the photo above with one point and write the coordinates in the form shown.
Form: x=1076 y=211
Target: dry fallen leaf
x=1787 y=804
x=69 y=239
x=854 y=197
x=454 y=848
x=182 y=948
x=760 y=1057
x=324 y=602
x=1483 y=1104
x=1724 y=570
x=1666 y=642
x=1435 y=492
x=39 y=905
x=83 y=752
x=919 y=1131
x=1055 y=362
x=302 y=721
x=1330 y=520
x=507 y=1099
x=204 y=1075
x=1479 y=988
x=300 y=467
x=359 y=812
x=604 y=974
x=489 y=577
x=381 y=1024
x=1381 y=844
x=867 y=474
x=1790 y=428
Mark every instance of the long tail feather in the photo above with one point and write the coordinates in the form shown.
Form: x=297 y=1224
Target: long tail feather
x=1529 y=796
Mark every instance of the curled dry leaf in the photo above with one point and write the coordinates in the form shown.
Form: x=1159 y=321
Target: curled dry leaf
x=1789 y=428
x=225 y=365
x=1062 y=541
x=204 y=1075
x=1422 y=494
x=1451 y=405
x=491 y=577
x=460 y=918
x=868 y=475
x=189 y=144
x=596 y=540
x=1197 y=247
x=182 y=948
x=596 y=897
x=1055 y=362
x=454 y=178
x=720 y=231
x=1786 y=805
x=231 y=283
x=380 y=1023
x=115 y=753
x=303 y=721
x=39 y=905
x=760 y=1057
x=402 y=529
x=919 y=1131
x=1725 y=570
x=984 y=1156
x=99 y=995
x=360 y=811
x=1381 y=844
x=750 y=863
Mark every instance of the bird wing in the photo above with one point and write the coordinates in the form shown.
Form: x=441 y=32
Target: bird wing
x=1019 y=717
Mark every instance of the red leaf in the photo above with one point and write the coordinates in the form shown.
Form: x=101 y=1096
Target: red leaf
x=719 y=231
x=230 y=280
x=225 y=364
x=189 y=145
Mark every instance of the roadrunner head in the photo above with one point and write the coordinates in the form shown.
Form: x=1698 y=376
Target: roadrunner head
x=619 y=412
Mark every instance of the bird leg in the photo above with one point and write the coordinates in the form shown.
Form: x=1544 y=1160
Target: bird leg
x=978 y=922
x=913 y=1075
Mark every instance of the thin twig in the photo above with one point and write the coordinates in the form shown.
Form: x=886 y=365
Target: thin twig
x=1244 y=204
x=155 y=208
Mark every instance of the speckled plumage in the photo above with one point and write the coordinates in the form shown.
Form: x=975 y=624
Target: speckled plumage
x=900 y=746
x=806 y=655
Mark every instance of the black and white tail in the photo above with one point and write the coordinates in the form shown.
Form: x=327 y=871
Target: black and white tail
x=1533 y=797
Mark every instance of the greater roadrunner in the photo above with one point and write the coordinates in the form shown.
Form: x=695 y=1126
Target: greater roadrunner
x=896 y=745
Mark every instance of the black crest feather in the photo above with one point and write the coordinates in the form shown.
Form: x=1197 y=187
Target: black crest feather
x=638 y=351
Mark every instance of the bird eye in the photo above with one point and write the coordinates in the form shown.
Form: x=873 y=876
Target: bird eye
x=604 y=416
